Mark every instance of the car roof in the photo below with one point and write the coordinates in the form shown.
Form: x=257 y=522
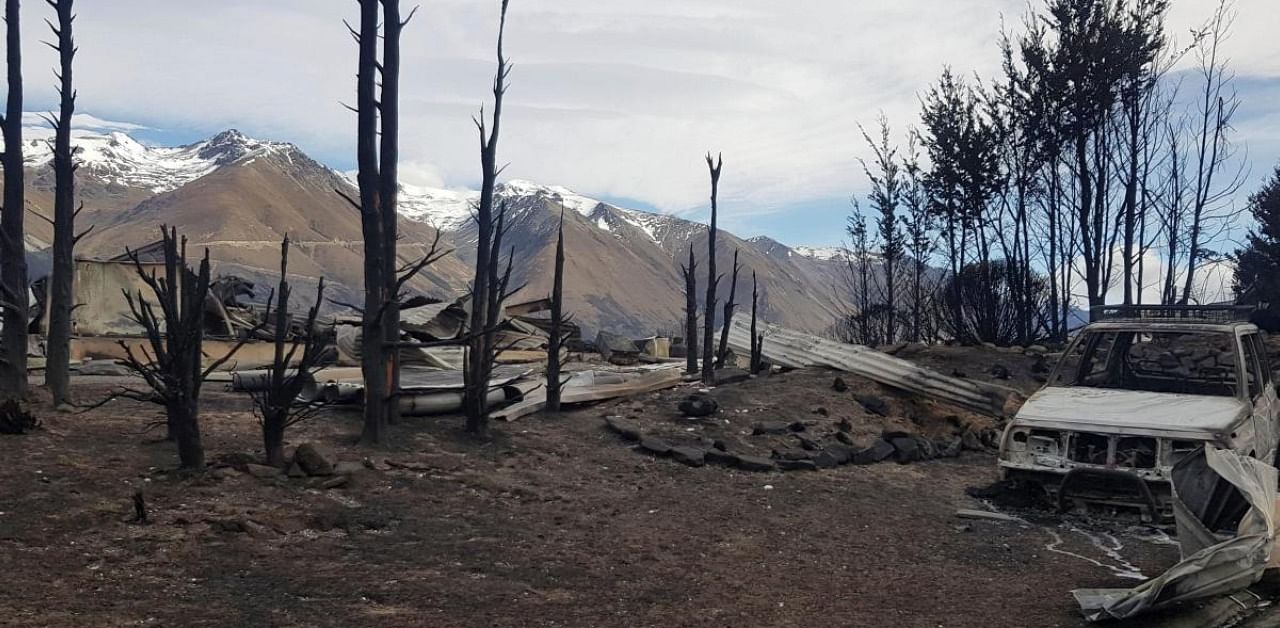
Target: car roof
x=1184 y=325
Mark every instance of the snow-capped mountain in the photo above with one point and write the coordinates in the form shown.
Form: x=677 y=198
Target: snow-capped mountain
x=119 y=159
x=238 y=196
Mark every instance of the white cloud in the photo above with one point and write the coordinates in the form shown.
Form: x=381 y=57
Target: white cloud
x=617 y=98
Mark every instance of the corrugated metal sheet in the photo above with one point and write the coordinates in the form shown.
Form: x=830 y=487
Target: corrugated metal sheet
x=794 y=349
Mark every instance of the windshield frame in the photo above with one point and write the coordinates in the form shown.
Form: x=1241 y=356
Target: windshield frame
x=1241 y=388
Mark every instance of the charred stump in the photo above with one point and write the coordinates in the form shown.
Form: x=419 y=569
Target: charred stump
x=691 y=312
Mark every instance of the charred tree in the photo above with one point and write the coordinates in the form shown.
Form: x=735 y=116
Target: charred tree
x=729 y=305
x=13 y=260
x=378 y=120
x=690 y=272
x=170 y=361
x=555 y=340
x=489 y=285
x=709 y=315
x=293 y=366
x=757 y=341
x=57 y=371
x=374 y=364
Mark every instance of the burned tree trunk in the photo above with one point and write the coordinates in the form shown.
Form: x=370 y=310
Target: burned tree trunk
x=171 y=362
x=554 y=342
x=388 y=193
x=709 y=315
x=374 y=364
x=757 y=341
x=57 y=372
x=488 y=285
x=13 y=260
x=691 y=312
x=729 y=305
x=279 y=406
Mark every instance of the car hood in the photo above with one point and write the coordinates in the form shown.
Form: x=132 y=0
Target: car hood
x=1129 y=411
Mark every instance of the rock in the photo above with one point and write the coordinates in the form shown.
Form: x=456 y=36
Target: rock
x=295 y=470
x=770 y=428
x=655 y=446
x=845 y=425
x=756 y=463
x=820 y=411
x=1000 y=371
x=841 y=454
x=1040 y=366
x=797 y=465
x=950 y=450
x=313 y=459
x=348 y=467
x=845 y=438
x=109 y=368
x=691 y=456
x=878 y=451
x=839 y=385
x=698 y=405
x=808 y=442
x=627 y=428
x=338 y=481
x=797 y=426
x=907 y=449
x=970 y=441
x=1037 y=350
x=719 y=444
x=792 y=454
x=716 y=456
x=873 y=404
x=257 y=530
x=262 y=471
x=824 y=460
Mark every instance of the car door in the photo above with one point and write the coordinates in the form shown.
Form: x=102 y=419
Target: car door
x=1262 y=393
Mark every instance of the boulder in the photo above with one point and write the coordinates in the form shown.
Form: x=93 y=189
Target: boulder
x=655 y=446
x=770 y=428
x=808 y=442
x=873 y=404
x=839 y=385
x=698 y=405
x=627 y=428
x=825 y=460
x=906 y=449
x=841 y=454
x=691 y=456
x=717 y=456
x=756 y=463
x=313 y=459
x=878 y=451
x=845 y=438
x=295 y=470
x=797 y=465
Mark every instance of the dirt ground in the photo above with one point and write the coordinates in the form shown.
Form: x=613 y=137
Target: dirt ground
x=556 y=522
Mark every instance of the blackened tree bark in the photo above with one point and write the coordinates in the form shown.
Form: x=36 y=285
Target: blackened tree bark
x=555 y=340
x=488 y=285
x=388 y=195
x=13 y=260
x=690 y=272
x=757 y=341
x=375 y=366
x=279 y=406
x=709 y=314
x=729 y=305
x=57 y=372
x=171 y=362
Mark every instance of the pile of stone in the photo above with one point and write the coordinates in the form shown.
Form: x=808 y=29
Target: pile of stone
x=311 y=461
x=803 y=450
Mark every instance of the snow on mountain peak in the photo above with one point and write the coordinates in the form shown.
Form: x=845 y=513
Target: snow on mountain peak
x=115 y=157
x=562 y=195
x=825 y=253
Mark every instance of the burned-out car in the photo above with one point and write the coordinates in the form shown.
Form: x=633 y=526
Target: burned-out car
x=1133 y=394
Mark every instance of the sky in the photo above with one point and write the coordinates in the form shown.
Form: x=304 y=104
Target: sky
x=616 y=99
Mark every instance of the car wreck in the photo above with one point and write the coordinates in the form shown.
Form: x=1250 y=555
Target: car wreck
x=1136 y=392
